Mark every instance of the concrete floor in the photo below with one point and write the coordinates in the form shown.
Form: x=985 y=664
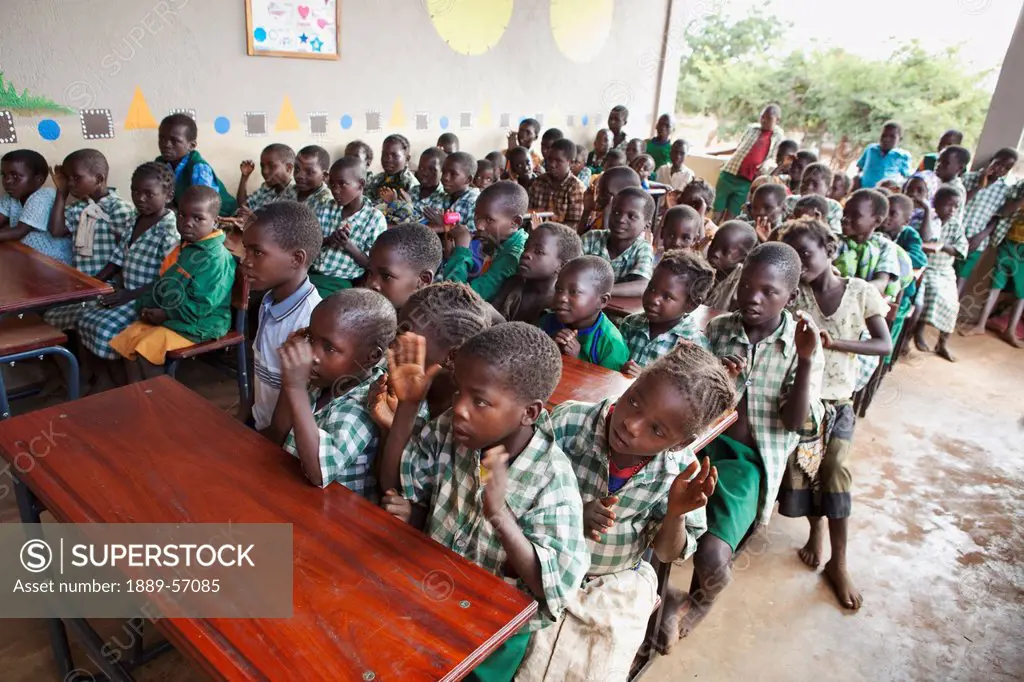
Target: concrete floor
x=935 y=548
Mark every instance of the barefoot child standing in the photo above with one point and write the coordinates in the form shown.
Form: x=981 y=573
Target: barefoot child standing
x=843 y=309
x=941 y=299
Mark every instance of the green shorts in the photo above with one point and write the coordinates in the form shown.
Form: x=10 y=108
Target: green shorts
x=733 y=509
x=731 y=193
x=501 y=666
x=1009 y=267
x=965 y=267
x=327 y=285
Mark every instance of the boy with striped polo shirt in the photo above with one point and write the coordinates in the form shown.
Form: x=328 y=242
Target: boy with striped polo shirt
x=488 y=480
x=679 y=286
x=642 y=488
x=350 y=225
x=987 y=190
x=749 y=159
x=280 y=244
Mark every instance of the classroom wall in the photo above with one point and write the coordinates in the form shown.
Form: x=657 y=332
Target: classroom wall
x=191 y=54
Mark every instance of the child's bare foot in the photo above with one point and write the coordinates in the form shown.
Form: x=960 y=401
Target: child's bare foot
x=921 y=345
x=668 y=635
x=943 y=352
x=973 y=331
x=811 y=553
x=1011 y=338
x=691 y=616
x=848 y=595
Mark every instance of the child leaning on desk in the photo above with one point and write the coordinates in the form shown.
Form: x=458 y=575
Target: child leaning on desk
x=488 y=480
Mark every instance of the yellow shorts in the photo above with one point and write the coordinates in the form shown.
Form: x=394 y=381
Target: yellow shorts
x=148 y=341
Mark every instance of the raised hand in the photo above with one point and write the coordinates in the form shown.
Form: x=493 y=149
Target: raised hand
x=296 y=362
x=433 y=215
x=513 y=139
x=686 y=495
x=495 y=462
x=382 y=403
x=247 y=168
x=763 y=227
x=599 y=516
x=387 y=194
x=60 y=181
x=806 y=336
x=631 y=369
x=460 y=235
x=409 y=378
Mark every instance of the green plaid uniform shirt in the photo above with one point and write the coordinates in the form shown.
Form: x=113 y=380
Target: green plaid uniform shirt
x=834 y=217
x=542 y=494
x=1003 y=226
x=957 y=183
x=750 y=136
x=366 y=225
x=877 y=254
x=766 y=381
x=643 y=350
x=984 y=205
x=405 y=180
x=465 y=206
x=107 y=233
x=321 y=202
x=399 y=211
x=265 y=196
x=563 y=198
x=581 y=430
x=348 y=438
x=140 y=263
x=637 y=259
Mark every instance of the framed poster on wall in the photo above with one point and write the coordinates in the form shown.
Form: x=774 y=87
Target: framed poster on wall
x=305 y=29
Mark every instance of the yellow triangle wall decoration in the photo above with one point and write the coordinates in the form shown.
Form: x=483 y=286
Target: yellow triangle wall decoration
x=139 y=116
x=397 y=119
x=287 y=121
x=485 y=119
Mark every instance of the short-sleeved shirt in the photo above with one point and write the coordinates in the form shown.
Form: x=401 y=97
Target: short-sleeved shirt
x=834 y=216
x=984 y=205
x=349 y=438
x=464 y=205
x=562 y=197
x=108 y=232
x=661 y=152
x=321 y=202
x=866 y=260
x=402 y=180
x=637 y=259
x=267 y=195
x=35 y=214
x=643 y=350
x=277 y=321
x=581 y=429
x=365 y=226
x=676 y=180
x=876 y=165
x=861 y=300
x=600 y=344
x=750 y=137
x=1010 y=224
x=202 y=173
x=542 y=495
x=766 y=381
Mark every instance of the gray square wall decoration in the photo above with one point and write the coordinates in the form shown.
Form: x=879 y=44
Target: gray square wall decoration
x=318 y=124
x=255 y=123
x=373 y=123
x=466 y=120
x=422 y=120
x=506 y=121
x=97 y=124
x=570 y=121
x=8 y=134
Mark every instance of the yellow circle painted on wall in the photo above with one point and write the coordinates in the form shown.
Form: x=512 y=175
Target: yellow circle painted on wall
x=470 y=26
x=581 y=27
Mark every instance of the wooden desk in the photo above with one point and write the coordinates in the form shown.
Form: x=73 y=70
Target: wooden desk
x=29 y=280
x=621 y=306
x=587 y=382
x=156 y=452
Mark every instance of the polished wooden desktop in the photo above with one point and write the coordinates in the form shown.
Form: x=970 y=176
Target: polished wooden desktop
x=30 y=280
x=156 y=452
x=587 y=382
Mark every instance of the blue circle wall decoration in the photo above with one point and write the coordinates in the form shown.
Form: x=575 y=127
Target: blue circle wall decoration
x=585 y=120
x=346 y=121
x=222 y=124
x=444 y=122
x=49 y=129
x=260 y=34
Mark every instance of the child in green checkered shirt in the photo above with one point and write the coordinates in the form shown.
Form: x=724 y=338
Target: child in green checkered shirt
x=350 y=226
x=624 y=243
x=322 y=417
x=403 y=260
x=433 y=324
x=577 y=321
x=679 y=286
x=407 y=206
x=488 y=480
x=642 y=488
x=277 y=166
x=97 y=219
x=776 y=361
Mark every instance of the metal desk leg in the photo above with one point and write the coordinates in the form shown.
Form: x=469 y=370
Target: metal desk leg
x=72 y=379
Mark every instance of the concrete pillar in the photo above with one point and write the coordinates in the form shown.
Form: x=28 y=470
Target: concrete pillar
x=666 y=76
x=1004 y=125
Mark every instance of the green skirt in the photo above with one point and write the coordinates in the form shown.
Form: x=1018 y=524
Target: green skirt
x=327 y=285
x=733 y=507
x=501 y=666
